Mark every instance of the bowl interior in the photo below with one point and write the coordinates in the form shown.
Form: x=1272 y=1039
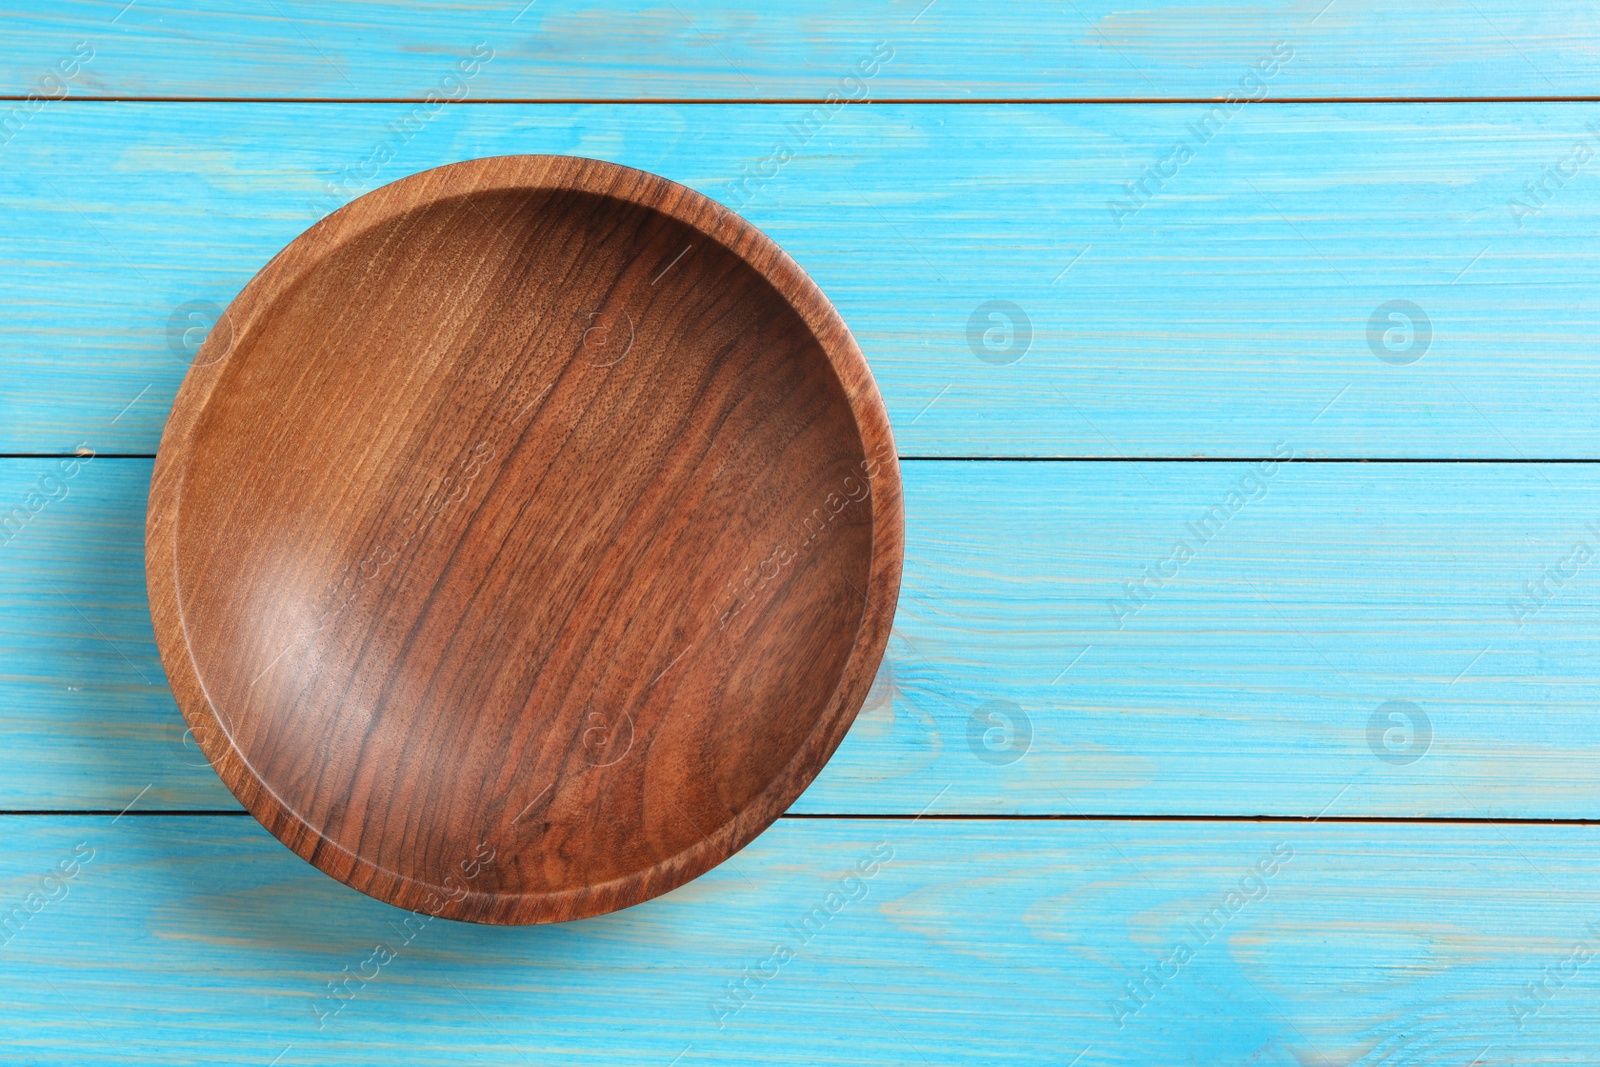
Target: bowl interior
x=528 y=520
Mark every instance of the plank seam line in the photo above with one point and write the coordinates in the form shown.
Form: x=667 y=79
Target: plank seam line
x=779 y=101
x=1241 y=459
x=1418 y=820
x=1299 y=460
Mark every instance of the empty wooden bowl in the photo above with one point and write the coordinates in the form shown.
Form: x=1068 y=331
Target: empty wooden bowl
x=524 y=539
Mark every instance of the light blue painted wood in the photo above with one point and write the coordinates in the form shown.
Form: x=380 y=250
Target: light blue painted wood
x=203 y=941
x=1228 y=314
x=692 y=48
x=1247 y=681
x=85 y=713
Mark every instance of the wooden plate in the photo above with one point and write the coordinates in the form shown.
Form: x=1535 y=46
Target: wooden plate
x=524 y=539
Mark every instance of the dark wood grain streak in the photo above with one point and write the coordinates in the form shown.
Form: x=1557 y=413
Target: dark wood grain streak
x=525 y=540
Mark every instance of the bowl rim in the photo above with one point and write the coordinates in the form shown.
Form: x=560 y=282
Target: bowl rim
x=473 y=177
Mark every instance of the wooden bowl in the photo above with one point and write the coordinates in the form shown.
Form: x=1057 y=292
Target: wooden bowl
x=524 y=539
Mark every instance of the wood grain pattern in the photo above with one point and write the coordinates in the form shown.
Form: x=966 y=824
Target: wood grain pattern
x=200 y=941
x=1225 y=316
x=1245 y=686
x=524 y=539
x=635 y=49
x=1229 y=314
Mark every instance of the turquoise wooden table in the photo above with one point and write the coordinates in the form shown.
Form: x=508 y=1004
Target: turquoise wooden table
x=1241 y=704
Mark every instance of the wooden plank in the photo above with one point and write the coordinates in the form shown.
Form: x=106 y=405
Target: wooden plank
x=1234 y=310
x=202 y=941
x=1014 y=49
x=84 y=706
x=1255 y=678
